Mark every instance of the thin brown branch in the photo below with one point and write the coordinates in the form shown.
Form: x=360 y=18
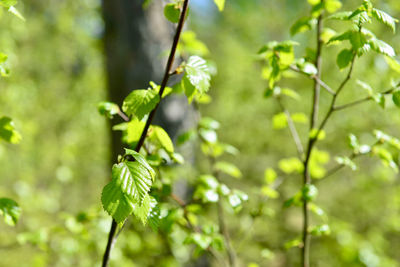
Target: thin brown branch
x=164 y=82
x=315 y=78
x=123 y=116
x=305 y=249
x=363 y=100
x=292 y=129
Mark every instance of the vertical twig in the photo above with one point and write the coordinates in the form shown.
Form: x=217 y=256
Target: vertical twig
x=164 y=82
x=305 y=250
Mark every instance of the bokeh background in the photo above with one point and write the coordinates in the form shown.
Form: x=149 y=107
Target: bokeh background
x=58 y=170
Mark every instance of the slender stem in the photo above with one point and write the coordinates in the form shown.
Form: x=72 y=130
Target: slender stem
x=164 y=82
x=305 y=250
x=222 y=224
x=123 y=116
x=306 y=174
x=363 y=100
x=292 y=129
x=315 y=78
x=318 y=64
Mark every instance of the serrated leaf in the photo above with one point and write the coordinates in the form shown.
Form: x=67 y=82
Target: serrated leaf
x=148 y=212
x=130 y=184
x=10 y=210
x=8 y=132
x=198 y=74
x=172 y=13
x=140 y=102
x=344 y=15
x=344 y=58
x=220 y=4
x=381 y=47
x=385 y=18
x=228 y=168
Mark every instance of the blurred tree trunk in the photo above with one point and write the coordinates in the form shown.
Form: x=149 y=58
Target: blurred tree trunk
x=133 y=41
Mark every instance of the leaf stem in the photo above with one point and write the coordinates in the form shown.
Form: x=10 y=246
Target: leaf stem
x=164 y=82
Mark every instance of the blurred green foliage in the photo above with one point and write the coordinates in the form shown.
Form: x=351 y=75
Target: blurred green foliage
x=59 y=168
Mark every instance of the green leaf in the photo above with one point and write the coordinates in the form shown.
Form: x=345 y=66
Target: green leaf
x=172 y=12
x=270 y=176
x=140 y=102
x=163 y=138
x=237 y=198
x=344 y=15
x=396 y=98
x=302 y=25
x=228 y=168
x=353 y=141
x=209 y=136
x=320 y=230
x=185 y=137
x=290 y=93
x=279 y=121
x=130 y=184
x=309 y=192
x=393 y=64
x=10 y=211
x=148 y=211
x=209 y=123
x=269 y=192
x=220 y=4
x=291 y=165
x=198 y=74
x=385 y=18
x=386 y=157
x=108 y=109
x=8 y=3
x=332 y=5
x=191 y=45
x=3 y=57
x=8 y=132
x=344 y=58
x=293 y=243
x=346 y=161
x=381 y=47
x=299 y=117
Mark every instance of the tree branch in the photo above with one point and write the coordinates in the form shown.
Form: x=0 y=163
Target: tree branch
x=292 y=129
x=305 y=250
x=315 y=78
x=164 y=82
